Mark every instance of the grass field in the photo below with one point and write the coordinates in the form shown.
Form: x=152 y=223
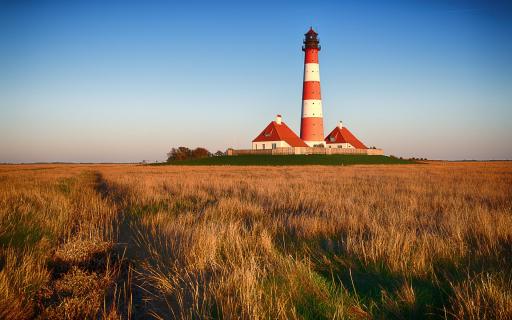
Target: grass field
x=290 y=160
x=277 y=242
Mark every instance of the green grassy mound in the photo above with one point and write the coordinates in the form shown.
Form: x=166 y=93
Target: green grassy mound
x=290 y=160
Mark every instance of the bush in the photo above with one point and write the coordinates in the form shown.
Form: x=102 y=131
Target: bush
x=181 y=153
x=184 y=153
x=200 y=153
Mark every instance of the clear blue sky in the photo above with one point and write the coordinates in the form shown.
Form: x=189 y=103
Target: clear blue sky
x=127 y=80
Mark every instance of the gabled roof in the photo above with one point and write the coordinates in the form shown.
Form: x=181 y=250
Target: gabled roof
x=343 y=135
x=280 y=132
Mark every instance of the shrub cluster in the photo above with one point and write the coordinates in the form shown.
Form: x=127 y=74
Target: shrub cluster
x=184 y=153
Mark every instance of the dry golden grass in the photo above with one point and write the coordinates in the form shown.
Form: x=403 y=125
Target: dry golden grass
x=413 y=241
x=56 y=233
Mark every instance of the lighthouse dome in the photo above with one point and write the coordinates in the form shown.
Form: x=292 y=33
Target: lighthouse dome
x=311 y=32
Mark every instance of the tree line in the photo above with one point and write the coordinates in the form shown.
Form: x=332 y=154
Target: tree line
x=184 y=153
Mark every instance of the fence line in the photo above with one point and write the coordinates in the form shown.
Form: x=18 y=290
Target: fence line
x=305 y=150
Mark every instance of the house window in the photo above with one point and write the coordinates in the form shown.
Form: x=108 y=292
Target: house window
x=274 y=145
x=263 y=146
x=256 y=145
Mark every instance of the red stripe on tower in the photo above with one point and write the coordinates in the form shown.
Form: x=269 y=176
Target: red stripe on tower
x=312 y=122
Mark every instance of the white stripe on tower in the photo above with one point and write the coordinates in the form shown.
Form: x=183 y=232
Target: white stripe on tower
x=312 y=72
x=312 y=108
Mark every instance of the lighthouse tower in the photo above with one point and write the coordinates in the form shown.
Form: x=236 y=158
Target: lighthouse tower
x=312 y=122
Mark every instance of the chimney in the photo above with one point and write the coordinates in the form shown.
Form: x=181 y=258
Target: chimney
x=340 y=125
x=278 y=119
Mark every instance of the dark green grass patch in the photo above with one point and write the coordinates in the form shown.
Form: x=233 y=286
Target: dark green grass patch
x=21 y=235
x=290 y=160
x=373 y=286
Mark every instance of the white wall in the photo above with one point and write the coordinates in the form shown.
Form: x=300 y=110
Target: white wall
x=313 y=143
x=268 y=145
x=340 y=145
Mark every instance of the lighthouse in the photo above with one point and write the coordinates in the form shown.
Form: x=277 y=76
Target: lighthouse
x=312 y=121
x=277 y=135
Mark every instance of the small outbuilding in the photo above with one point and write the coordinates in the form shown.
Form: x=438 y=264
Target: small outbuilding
x=341 y=137
x=277 y=135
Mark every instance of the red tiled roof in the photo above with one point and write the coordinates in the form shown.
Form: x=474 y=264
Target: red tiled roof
x=343 y=135
x=280 y=132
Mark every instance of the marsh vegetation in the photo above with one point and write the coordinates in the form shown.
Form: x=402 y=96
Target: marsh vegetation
x=320 y=242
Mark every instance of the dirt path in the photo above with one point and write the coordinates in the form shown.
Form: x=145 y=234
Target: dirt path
x=135 y=301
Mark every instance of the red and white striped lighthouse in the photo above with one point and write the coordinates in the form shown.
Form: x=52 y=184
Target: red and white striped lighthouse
x=312 y=122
